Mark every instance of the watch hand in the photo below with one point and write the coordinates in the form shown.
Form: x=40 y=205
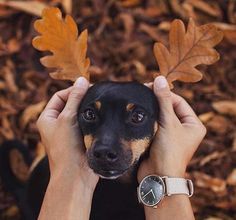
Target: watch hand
x=147 y=193
x=153 y=194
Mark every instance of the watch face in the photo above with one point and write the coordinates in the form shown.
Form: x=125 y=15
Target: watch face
x=151 y=190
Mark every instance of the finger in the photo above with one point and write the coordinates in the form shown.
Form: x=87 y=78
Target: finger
x=77 y=93
x=183 y=110
x=163 y=94
x=56 y=103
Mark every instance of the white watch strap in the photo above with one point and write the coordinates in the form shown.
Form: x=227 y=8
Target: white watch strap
x=178 y=186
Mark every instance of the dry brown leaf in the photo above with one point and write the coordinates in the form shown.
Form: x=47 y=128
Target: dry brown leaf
x=231 y=11
x=218 y=124
x=3 y=47
x=13 y=45
x=231 y=180
x=234 y=142
x=230 y=203
x=32 y=7
x=11 y=212
x=188 y=48
x=67 y=5
x=6 y=128
x=9 y=79
x=205 y=117
x=61 y=38
x=213 y=10
x=128 y=22
x=203 y=180
x=213 y=156
x=31 y=112
x=229 y=31
x=225 y=107
x=129 y=3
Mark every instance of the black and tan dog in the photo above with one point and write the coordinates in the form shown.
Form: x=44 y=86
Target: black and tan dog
x=118 y=122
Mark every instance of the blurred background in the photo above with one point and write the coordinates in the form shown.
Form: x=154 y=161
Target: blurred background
x=121 y=38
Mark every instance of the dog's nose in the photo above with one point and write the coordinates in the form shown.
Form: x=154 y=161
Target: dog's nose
x=105 y=153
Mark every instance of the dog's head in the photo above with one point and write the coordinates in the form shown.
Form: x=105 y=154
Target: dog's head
x=118 y=121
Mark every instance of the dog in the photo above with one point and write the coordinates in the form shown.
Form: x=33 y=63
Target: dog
x=118 y=121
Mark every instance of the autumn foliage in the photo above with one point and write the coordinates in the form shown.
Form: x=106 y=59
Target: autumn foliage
x=120 y=40
x=187 y=48
x=61 y=38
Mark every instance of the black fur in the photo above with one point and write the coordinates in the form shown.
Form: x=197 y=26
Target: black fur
x=113 y=199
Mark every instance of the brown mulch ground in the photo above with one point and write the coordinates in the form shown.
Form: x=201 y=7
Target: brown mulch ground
x=121 y=37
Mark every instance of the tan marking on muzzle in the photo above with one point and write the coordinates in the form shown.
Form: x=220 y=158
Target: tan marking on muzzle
x=137 y=146
x=129 y=107
x=88 y=140
x=98 y=105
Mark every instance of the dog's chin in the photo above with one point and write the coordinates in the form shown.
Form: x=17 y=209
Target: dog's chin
x=109 y=177
x=109 y=174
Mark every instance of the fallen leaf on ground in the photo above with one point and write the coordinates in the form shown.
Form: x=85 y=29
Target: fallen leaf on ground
x=206 y=181
x=219 y=124
x=32 y=7
x=213 y=10
x=213 y=156
x=205 y=117
x=231 y=179
x=129 y=3
x=225 y=107
x=31 y=112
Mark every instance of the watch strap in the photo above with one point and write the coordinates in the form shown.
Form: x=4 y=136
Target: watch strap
x=178 y=186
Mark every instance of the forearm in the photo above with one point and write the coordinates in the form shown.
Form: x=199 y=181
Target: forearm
x=66 y=199
x=176 y=207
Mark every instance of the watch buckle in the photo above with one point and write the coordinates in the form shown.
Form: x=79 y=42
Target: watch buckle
x=190 y=187
x=166 y=190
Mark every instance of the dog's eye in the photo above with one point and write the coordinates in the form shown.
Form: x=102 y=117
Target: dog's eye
x=137 y=117
x=89 y=115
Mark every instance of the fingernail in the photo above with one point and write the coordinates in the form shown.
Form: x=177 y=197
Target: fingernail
x=161 y=82
x=80 y=82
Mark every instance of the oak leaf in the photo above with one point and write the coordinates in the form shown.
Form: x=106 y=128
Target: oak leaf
x=225 y=107
x=187 y=49
x=60 y=36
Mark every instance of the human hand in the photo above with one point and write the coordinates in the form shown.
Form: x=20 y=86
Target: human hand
x=60 y=134
x=178 y=136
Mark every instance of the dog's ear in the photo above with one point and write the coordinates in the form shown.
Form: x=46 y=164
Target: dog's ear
x=149 y=85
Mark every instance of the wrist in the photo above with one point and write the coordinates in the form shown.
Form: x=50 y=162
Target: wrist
x=170 y=170
x=161 y=169
x=76 y=180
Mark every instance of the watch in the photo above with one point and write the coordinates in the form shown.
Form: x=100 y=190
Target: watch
x=153 y=188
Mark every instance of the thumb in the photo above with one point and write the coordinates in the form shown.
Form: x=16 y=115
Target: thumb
x=162 y=91
x=78 y=91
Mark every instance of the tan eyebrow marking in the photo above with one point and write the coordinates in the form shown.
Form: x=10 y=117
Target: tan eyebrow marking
x=130 y=106
x=98 y=105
